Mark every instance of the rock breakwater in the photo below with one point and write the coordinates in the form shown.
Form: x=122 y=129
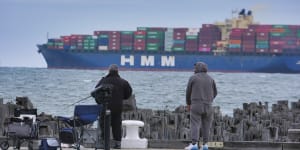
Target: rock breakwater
x=252 y=122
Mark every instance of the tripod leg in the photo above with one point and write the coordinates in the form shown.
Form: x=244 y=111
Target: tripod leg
x=107 y=130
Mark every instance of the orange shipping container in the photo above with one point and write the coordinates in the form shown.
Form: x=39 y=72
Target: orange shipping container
x=278 y=30
x=235 y=42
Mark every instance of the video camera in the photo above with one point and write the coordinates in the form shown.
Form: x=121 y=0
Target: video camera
x=103 y=93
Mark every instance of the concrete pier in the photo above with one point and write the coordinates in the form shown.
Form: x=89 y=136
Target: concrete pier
x=254 y=126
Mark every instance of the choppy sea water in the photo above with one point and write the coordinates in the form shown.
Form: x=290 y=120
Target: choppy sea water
x=55 y=90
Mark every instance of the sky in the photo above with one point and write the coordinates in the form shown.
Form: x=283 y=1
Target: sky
x=26 y=23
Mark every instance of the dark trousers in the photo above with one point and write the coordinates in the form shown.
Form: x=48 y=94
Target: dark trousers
x=115 y=123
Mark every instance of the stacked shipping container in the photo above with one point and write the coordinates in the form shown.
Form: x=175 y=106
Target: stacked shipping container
x=127 y=40
x=179 y=39
x=208 y=36
x=248 y=41
x=235 y=40
x=255 y=39
x=139 y=40
x=154 y=38
x=191 y=43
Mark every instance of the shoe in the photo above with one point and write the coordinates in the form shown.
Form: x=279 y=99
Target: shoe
x=192 y=147
x=204 y=147
x=117 y=145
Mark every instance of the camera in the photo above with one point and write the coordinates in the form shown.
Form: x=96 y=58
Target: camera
x=103 y=93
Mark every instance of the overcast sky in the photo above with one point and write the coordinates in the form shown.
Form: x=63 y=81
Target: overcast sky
x=25 y=23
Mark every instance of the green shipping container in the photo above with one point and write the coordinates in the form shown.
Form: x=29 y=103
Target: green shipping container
x=277 y=34
x=153 y=44
x=152 y=48
x=59 y=44
x=178 y=49
x=142 y=28
x=261 y=46
x=92 y=44
x=50 y=43
x=126 y=32
x=154 y=33
x=262 y=42
x=280 y=26
x=90 y=37
x=126 y=47
x=140 y=36
x=154 y=37
x=103 y=36
x=192 y=37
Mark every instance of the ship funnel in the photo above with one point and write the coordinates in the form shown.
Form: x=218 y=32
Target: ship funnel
x=249 y=13
x=242 y=12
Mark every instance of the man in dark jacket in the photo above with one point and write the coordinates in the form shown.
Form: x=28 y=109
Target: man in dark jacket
x=121 y=90
x=200 y=93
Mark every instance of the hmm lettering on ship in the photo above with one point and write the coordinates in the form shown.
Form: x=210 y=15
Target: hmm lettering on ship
x=148 y=61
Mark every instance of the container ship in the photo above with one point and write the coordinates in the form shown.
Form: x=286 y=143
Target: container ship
x=234 y=45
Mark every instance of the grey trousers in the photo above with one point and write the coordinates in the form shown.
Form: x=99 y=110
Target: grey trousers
x=201 y=118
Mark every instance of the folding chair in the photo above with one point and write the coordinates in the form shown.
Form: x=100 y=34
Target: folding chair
x=73 y=129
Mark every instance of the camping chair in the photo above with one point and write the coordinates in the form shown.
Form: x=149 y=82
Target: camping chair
x=73 y=129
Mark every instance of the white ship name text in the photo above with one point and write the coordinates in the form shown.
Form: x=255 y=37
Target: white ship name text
x=148 y=61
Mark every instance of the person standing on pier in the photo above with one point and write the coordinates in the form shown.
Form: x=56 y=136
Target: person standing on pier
x=121 y=90
x=200 y=93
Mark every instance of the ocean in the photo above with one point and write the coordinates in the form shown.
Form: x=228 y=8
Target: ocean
x=53 y=91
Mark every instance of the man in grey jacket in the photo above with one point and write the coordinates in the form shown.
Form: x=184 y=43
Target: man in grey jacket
x=200 y=93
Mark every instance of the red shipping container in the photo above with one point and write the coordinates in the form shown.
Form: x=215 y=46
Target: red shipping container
x=248 y=50
x=262 y=39
x=180 y=30
x=204 y=49
x=249 y=34
x=298 y=42
x=140 y=44
x=238 y=30
x=250 y=30
x=179 y=35
x=65 y=37
x=139 y=48
x=262 y=50
x=264 y=26
x=126 y=44
x=277 y=42
x=140 y=33
x=253 y=26
x=97 y=33
x=114 y=47
x=294 y=26
x=275 y=50
x=191 y=49
x=153 y=40
x=234 y=50
x=289 y=46
x=137 y=41
x=252 y=42
x=262 y=34
x=262 y=30
x=114 y=43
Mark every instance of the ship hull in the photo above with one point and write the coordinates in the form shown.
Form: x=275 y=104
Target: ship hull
x=145 y=60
